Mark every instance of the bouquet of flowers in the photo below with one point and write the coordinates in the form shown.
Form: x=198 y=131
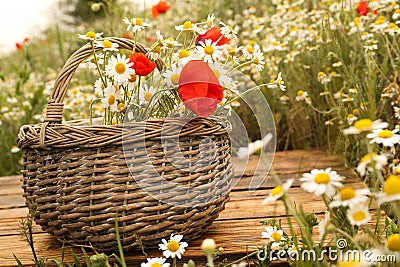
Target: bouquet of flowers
x=194 y=77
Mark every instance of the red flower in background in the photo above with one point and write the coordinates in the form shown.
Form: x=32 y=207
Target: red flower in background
x=141 y=64
x=18 y=46
x=214 y=34
x=127 y=35
x=160 y=8
x=362 y=8
x=199 y=88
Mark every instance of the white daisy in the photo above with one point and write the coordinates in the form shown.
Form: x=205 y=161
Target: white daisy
x=358 y=215
x=371 y=162
x=209 y=51
x=364 y=125
x=278 y=191
x=301 y=95
x=258 y=59
x=385 y=137
x=90 y=36
x=155 y=262
x=188 y=26
x=254 y=147
x=227 y=31
x=183 y=56
x=324 y=224
x=321 y=182
x=14 y=149
x=107 y=45
x=222 y=74
x=390 y=191
x=171 y=76
x=351 y=118
x=170 y=43
x=111 y=97
x=174 y=247
x=135 y=24
x=119 y=69
x=348 y=196
x=146 y=93
x=278 y=83
x=396 y=112
x=274 y=235
x=210 y=20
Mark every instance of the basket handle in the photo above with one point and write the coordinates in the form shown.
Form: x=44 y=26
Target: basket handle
x=55 y=106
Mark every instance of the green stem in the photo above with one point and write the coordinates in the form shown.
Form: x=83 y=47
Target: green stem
x=241 y=259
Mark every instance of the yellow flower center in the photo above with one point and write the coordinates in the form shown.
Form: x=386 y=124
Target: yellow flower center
x=363 y=125
x=208 y=49
x=156 y=264
x=147 y=96
x=252 y=42
x=217 y=73
x=393 y=242
x=175 y=78
x=157 y=49
x=121 y=106
x=120 y=68
x=392 y=185
x=187 y=25
x=356 y=21
x=276 y=191
x=133 y=77
x=368 y=157
x=322 y=178
x=173 y=246
x=137 y=21
x=111 y=100
x=276 y=236
x=91 y=35
x=300 y=93
x=385 y=134
x=183 y=53
x=347 y=193
x=359 y=216
x=107 y=44
x=250 y=49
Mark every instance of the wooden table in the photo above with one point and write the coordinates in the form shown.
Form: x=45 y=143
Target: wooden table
x=237 y=230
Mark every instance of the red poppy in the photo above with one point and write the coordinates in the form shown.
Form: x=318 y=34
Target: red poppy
x=199 y=88
x=160 y=8
x=363 y=8
x=18 y=46
x=214 y=34
x=142 y=65
x=26 y=40
x=127 y=35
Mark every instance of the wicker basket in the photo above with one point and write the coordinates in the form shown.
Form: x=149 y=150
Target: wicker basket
x=79 y=177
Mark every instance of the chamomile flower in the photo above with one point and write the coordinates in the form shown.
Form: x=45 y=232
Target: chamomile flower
x=358 y=215
x=111 y=95
x=274 y=235
x=385 y=137
x=365 y=125
x=119 y=69
x=135 y=24
x=351 y=118
x=254 y=147
x=146 y=93
x=348 y=196
x=173 y=247
x=278 y=83
x=390 y=191
x=321 y=182
x=222 y=73
x=14 y=149
x=393 y=242
x=227 y=31
x=183 y=56
x=90 y=36
x=188 y=26
x=209 y=51
x=155 y=262
x=278 y=191
x=107 y=45
x=301 y=95
x=258 y=58
x=171 y=76
x=371 y=162
x=210 y=20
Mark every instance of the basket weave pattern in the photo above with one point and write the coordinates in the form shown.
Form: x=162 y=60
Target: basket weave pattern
x=78 y=177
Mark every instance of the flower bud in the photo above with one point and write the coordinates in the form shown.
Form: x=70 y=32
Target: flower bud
x=208 y=246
